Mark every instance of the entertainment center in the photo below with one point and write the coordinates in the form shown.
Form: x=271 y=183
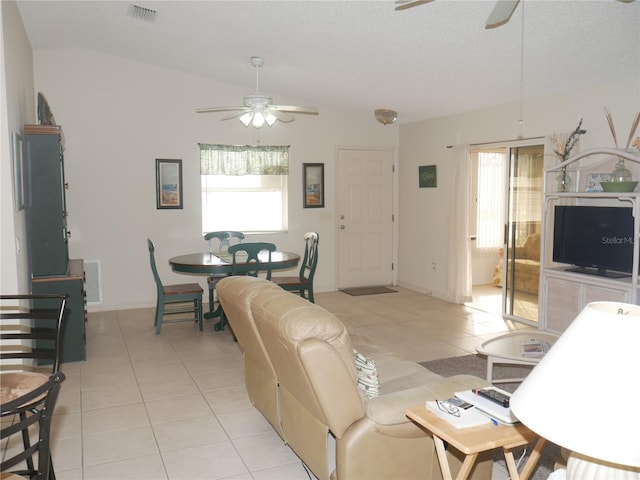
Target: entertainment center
x=590 y=237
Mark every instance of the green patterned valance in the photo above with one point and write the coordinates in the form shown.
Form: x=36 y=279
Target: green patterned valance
x=243 y=160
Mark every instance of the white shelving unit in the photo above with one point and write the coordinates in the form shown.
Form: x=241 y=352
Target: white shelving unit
x=564 y=294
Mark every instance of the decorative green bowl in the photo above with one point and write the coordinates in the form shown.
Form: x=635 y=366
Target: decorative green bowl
x=618 y=186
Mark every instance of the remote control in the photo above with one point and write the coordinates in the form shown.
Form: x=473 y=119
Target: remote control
x=493 y=395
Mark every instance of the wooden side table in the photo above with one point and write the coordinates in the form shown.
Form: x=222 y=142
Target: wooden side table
x=474 y=440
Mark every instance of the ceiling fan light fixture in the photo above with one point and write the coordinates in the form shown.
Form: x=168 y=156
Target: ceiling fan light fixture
x=246 y=118
x=385 y=116
x=270 y=119
x=258 y=120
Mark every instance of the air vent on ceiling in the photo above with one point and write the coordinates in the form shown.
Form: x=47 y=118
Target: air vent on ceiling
x=141 y=13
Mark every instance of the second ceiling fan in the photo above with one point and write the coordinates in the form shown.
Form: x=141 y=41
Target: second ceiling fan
x=500 y=14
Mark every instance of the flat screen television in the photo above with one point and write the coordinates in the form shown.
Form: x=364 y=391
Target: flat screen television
x=594 y=240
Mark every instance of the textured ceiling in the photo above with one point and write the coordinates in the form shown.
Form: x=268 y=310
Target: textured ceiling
x=429 y=61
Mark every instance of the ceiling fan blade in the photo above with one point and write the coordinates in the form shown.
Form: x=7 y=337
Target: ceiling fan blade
x=404 y=4
x=222 y=109
x=282 y=116
x=501 y=13
x=235 y=115
x=293 y=109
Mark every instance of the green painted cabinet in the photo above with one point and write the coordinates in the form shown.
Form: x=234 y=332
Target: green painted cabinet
x=45 y=207
x=45 y=204
x=73 y=333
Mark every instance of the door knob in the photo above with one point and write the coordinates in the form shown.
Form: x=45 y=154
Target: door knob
x=342 y=227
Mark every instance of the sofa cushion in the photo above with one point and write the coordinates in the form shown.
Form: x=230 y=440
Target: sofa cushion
x=530 y=249
x=389 y=408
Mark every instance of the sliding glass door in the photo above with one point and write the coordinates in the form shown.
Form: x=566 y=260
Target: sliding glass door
x=523 y=224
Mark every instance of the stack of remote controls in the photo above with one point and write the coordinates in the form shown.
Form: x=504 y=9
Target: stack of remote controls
x=494 y=395
x=492 y=401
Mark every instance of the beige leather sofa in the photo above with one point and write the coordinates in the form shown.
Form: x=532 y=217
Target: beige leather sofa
x=300 y=373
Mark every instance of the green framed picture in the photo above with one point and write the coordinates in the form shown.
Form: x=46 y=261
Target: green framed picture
x=427 y=176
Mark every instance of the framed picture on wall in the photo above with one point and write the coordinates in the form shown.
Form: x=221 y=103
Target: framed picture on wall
x=168 y=183
x=18 y=190
x=427 y=176
x=313 y=185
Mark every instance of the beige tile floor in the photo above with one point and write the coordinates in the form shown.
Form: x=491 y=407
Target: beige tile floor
x=174 y=406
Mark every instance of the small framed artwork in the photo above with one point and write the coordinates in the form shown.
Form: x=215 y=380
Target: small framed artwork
x=168 y=183
x=593 y=181
x=427 y=176
x=313 y=185
x=18 y=190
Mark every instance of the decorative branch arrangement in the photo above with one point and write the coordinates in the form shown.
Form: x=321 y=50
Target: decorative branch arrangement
x=565 y=143
x=634 y=127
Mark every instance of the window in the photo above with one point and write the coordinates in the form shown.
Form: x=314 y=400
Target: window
x=489 y=215
x=244 y=188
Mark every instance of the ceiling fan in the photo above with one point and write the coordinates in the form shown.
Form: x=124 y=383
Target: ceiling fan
x=500 y=14
x=258 y=108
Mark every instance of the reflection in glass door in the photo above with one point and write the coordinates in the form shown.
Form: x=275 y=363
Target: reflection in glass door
x=522 y=233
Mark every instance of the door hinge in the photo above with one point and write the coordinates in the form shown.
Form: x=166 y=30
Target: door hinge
x=393 y=169
x=393 y=218
x=392 y=266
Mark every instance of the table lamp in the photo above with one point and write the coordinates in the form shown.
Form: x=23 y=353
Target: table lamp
x=584 y=394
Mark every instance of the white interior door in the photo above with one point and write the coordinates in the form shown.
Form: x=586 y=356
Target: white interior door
x=365 y=223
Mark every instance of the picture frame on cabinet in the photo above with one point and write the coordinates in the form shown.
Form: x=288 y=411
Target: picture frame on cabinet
x=313 y=185
x=168 y=184
x=593 y=181
x=18 y=189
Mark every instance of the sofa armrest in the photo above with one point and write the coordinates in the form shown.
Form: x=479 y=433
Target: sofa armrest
x=333 y=384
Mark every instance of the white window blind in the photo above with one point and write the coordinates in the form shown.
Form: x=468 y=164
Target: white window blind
x=490 y=204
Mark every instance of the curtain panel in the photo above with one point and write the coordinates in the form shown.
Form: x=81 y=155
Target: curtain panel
x=459 y=281
x=243 y=159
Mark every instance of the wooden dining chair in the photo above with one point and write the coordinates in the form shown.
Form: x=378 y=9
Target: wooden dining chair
x=303 y=283
x=224 y=239
x=245 y=260
x=20 y=412
x=31 y=347
x=175 y=299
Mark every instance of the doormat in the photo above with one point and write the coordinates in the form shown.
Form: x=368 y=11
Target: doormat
x=367 y=290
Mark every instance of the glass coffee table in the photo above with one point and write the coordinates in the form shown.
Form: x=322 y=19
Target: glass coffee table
x=508 y=350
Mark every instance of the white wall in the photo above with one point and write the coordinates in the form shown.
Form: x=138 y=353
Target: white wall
x=118 y=116
x=424 y=215
x=18 y=108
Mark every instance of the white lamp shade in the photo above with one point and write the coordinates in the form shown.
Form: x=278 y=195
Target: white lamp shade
x=584 y=393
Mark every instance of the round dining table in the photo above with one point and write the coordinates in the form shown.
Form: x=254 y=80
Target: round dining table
x=220 y=263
